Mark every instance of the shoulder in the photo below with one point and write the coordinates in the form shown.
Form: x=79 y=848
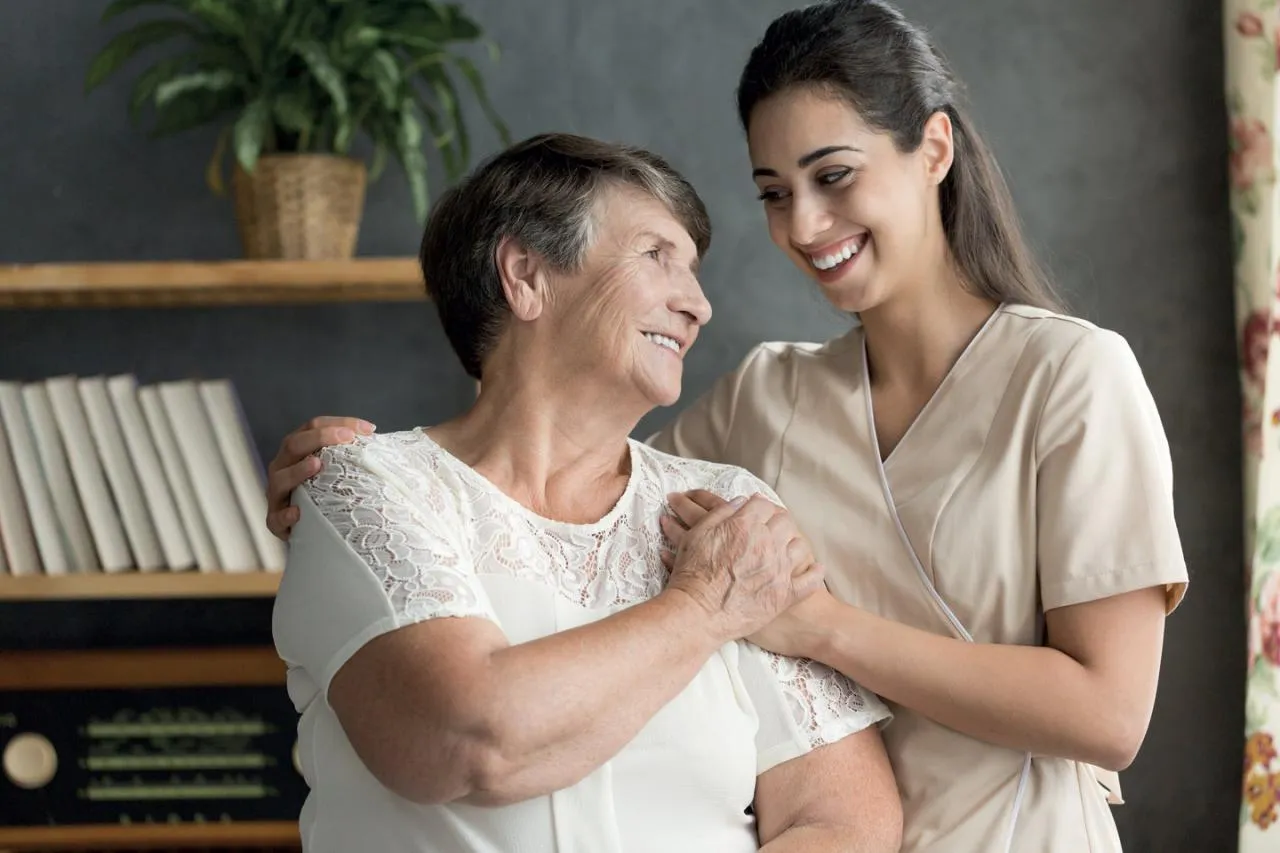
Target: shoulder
x=1061 y=339
x=383 y=467
x=678 y=473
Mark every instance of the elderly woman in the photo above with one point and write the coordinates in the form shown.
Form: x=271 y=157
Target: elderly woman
x=483 y=641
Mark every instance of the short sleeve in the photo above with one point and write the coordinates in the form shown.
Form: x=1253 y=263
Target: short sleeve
x=1104 y=484
x=373 y=551
x=800 y=704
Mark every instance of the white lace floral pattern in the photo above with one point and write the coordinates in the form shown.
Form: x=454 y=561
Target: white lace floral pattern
x=429 y=527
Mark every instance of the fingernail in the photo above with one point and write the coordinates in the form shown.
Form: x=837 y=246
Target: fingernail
x=366 y=427
x=345 y=434
x=313 y=464
x=738 y=501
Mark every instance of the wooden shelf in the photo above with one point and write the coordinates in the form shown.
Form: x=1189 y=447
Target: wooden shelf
x=130 y=585
x=185 y=284
x=281 y=835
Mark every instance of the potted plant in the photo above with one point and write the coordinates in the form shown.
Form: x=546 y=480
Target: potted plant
x=293 y=83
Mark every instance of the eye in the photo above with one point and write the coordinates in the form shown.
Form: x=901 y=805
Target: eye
x=654 y=253
x=832 y=178
x=771 y=195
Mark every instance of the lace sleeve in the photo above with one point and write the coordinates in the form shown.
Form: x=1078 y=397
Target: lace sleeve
x=825 y=705
x=398 y=520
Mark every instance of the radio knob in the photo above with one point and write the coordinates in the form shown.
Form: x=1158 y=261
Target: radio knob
x=30 y=761
x=297 y=759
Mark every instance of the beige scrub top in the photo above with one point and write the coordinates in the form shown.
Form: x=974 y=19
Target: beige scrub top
x=1038 y=476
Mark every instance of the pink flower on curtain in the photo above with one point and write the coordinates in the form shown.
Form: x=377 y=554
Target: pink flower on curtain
x=1249 y=24
x=1255 y=341
x=1268 y=620
x=1255 y=640
x=1250 y=151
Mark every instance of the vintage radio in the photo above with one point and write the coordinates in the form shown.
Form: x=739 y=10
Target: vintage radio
x=147 y=749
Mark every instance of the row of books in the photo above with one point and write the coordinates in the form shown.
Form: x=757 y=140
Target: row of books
x=100 y=473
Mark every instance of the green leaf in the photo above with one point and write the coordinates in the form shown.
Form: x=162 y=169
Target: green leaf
x=251 y=132
x=192 y=110
x=219 y=15
x=126 y=45
x=379 y=163
x=447 y=95
x=324 y=72
x=213 y=171
x=150 y=80
x=383 y=69
x=441 y=136
x=293 y=112
x=472 y=75
x=213 y=81
x=120 y=7
x=412 y=160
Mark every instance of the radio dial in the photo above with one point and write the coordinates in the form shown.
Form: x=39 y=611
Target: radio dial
x=30 y=761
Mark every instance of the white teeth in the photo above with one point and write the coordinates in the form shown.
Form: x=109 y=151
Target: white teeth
x=830 y=261
x=663 y=341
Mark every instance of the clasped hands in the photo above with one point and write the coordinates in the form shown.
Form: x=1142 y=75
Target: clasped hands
x=714 y=538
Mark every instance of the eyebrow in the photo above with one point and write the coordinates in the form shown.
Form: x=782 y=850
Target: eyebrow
x=808 y=159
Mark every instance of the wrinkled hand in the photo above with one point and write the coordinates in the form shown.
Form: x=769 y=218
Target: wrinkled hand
x=691 y=507
x=744 y=563
x=294 y=465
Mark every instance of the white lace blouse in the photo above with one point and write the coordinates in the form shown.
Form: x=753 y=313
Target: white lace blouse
x=395 y=530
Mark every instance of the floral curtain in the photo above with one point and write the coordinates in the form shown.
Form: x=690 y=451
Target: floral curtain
x=1251 y=90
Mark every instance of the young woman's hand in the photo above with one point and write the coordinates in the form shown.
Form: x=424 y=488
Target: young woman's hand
x=294 y=465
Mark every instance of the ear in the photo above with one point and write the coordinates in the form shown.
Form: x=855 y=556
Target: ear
x=522 y=280
x=938 y=147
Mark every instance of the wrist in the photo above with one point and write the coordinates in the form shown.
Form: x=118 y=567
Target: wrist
x=832 y=635
x=688 y=614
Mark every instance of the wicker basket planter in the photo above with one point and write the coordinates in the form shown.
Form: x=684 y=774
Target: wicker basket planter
x=299 y=206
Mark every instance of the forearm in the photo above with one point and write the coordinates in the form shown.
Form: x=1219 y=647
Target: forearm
x=561 y=706
x=1028 y=698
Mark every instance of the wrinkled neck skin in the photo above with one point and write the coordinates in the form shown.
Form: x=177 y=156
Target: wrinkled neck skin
x=915 y=336
x=554 y=443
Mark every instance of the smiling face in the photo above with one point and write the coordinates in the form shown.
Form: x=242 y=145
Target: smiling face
x=625 y=321
x=851 y=211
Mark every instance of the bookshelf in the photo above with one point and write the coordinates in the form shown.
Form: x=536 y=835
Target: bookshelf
x=139 y=585
x=189 y=284
x=152 y=284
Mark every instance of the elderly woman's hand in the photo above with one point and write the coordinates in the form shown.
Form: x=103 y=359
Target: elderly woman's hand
x=294 y=465
x=743 y=562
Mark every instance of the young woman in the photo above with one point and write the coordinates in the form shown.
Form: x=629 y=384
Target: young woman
x=985 y=479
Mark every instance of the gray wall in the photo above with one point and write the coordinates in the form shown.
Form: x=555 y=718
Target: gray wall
x=1108 y=119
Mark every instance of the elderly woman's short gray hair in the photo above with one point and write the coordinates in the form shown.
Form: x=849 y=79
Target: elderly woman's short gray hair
x=542 y=193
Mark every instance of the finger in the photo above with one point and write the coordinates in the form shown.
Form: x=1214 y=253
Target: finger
x=281 y=483
x=297 y=445
x=758 y=509
x=807 y=582
x=672 y=530
x=359 y=425
x=783 y=526
x=798 y=554
x=669 y=560
x=719 y=514
x=687 y=510
x=281 y=523
x=705 y=499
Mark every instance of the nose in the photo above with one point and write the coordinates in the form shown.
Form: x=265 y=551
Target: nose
x=809 y=220
x=689 y=300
